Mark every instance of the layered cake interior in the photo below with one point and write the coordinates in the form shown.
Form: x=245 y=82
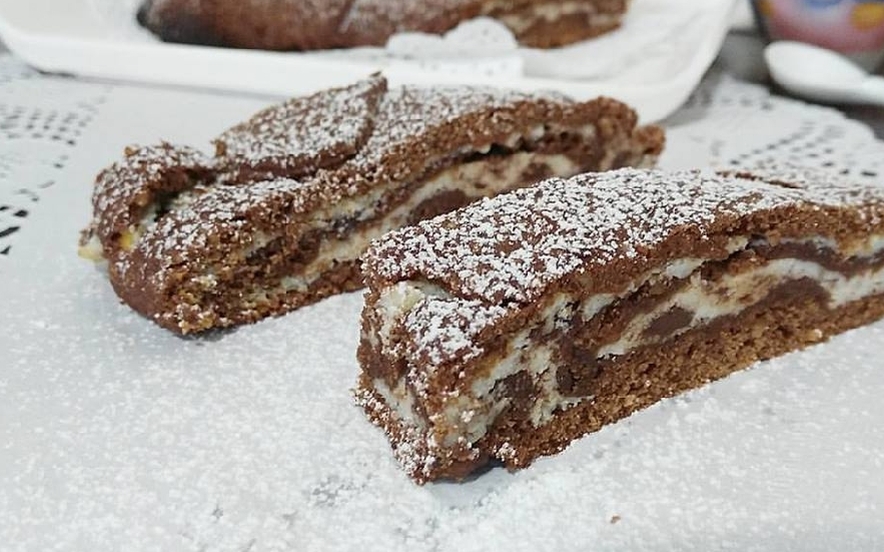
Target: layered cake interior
x=505 y=330
x=280 y=216
x=280 y=24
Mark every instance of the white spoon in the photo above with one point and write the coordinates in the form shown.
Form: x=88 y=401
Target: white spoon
x=822 y=75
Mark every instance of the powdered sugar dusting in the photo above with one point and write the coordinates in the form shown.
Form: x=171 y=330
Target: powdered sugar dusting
x=221 y=219
x=126 y=189
x=415 y=121
x=305 y=134
x=511 y=248
x=444 y=329
x=413 y=451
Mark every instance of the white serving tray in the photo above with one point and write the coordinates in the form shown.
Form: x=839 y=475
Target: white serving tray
x=653 y=62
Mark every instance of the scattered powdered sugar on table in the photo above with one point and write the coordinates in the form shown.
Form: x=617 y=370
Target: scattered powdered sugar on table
x=140 y=440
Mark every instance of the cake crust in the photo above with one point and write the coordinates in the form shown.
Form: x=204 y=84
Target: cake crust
x=507 y=329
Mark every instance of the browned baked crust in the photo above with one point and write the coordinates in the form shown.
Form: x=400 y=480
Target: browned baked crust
x=279 y=217
x=128 y=194
x=323 y=24
x=507 y=329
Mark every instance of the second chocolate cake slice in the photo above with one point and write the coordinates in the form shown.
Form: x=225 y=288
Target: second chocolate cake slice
x=280 y=216
x=511 y=327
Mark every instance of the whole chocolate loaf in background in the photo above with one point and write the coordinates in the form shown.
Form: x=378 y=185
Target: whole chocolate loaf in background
x=281 y=214
x=325 y=24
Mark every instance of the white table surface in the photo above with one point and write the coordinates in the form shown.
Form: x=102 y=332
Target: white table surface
x=115 y=435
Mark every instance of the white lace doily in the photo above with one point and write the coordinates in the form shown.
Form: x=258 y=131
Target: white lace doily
x=41 y=123
x=115 y=435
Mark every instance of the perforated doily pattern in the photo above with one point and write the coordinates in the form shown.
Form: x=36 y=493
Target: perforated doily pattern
x=41 y=121
x=735 y=124
x=725 y=123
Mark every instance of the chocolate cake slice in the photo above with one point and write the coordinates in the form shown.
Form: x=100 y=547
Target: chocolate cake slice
x=507 y=329
x=324 y=24
x=280 y=216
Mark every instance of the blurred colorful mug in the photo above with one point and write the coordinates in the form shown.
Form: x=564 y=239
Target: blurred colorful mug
x=852 y=27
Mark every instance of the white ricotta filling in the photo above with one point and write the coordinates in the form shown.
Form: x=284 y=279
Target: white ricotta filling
x=477 y=179
x=469 y=178
x=733 y=293
x=91 y=249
